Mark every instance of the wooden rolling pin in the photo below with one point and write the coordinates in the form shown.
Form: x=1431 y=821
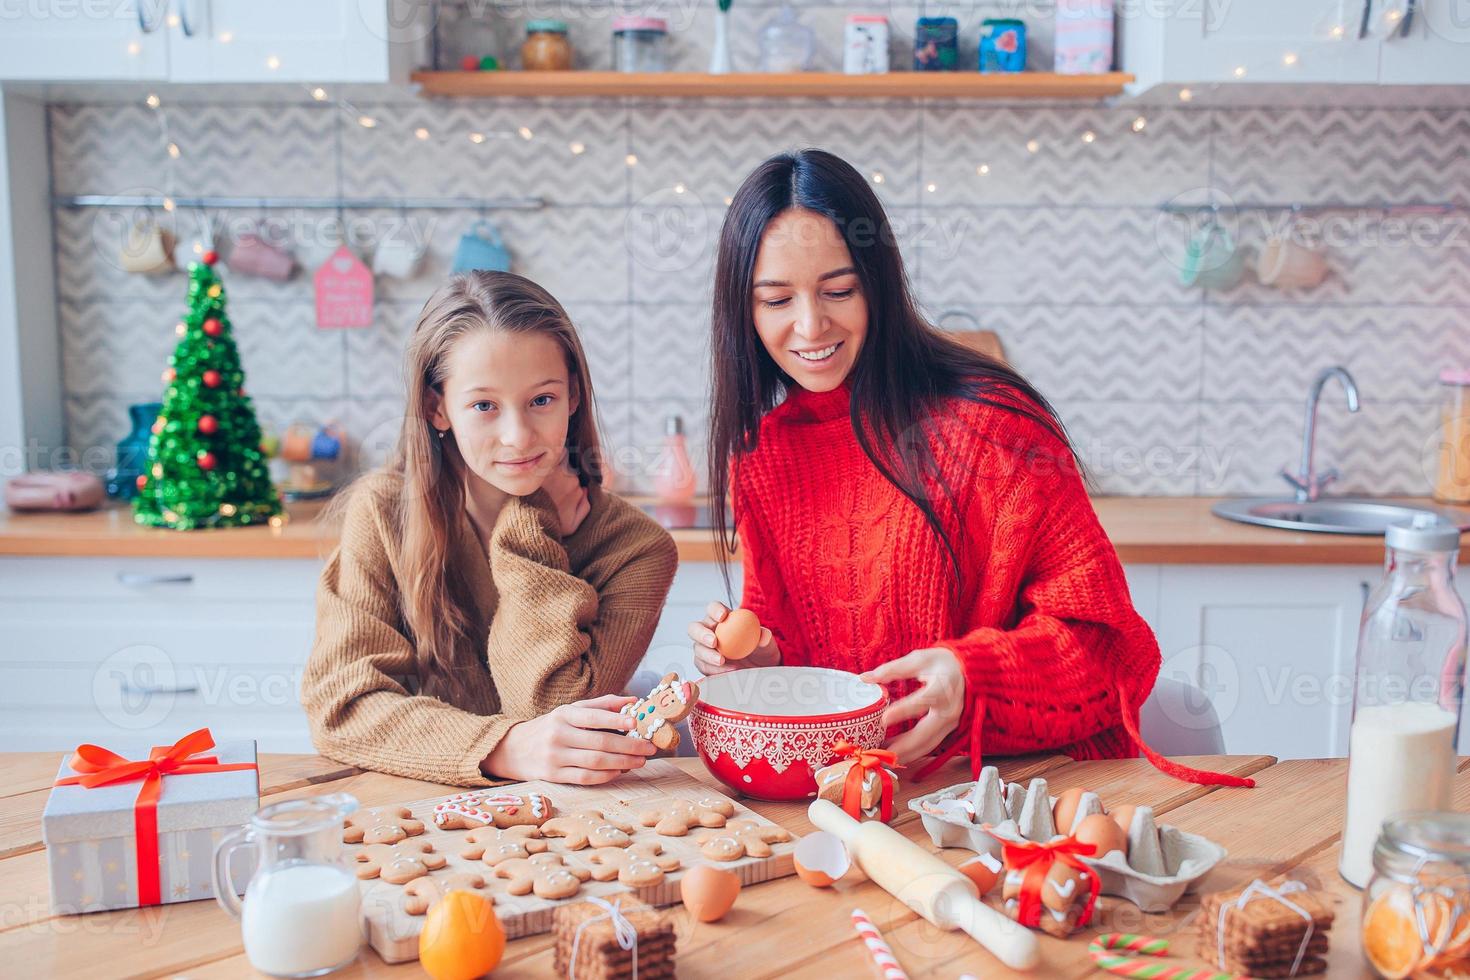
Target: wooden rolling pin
x=927 y=885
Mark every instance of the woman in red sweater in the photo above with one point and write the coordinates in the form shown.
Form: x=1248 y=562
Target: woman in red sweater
x=907 y=509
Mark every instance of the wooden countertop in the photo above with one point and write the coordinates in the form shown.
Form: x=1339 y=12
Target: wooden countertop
x=1145 y=530
x=1288 y=824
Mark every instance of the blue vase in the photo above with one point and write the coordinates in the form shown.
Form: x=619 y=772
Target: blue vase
x=132 y=452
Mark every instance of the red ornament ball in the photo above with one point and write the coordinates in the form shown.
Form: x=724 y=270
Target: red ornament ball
x=142 y=482
x=168 y=375
x=211 y=378
x=211 y=257
x=469 y=63
x=212 y=327
x=206 y=461
x=208 y=424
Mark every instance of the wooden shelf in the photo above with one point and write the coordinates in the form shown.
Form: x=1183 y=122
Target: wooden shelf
x=895 y=85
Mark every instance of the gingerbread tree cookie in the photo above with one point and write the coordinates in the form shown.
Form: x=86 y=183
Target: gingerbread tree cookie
x=742 y=837
x=544 y=874
x=399 y=863
x=380 y=825
x=641 y=865
x=588 y=827
x=656 y=713
x=424 y=893
x=492 y=809
x=495 y=844
x=673 y=818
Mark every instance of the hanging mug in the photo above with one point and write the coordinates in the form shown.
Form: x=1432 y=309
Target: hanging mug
x=481 y=248
x=147 y=250
x=1212 y=260
x=252 y=255
x=399 y=258
x=1286 y=264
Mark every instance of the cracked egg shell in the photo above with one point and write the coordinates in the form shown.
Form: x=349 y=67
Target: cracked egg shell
x=708 y=892
x=821 y=859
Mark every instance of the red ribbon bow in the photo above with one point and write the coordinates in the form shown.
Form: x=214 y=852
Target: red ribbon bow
x=1036 y=860
x=103 y=767
x=865 y=761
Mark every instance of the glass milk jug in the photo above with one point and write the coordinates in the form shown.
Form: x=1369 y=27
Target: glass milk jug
x=301 y=914
x=1407 y=691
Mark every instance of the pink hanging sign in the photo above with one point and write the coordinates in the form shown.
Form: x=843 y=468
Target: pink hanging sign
x=344 y=291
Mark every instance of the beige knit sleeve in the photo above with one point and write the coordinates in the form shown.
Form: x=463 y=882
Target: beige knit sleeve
x=358 y=710
x=574 y=619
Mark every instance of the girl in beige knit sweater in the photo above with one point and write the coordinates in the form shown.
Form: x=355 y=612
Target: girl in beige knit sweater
x=488 y=599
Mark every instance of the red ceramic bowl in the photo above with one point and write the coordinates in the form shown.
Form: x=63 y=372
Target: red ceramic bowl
x=765 y=731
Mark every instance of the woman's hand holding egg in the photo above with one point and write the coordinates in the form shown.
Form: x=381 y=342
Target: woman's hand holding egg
x=937 y=703
x=726 y=640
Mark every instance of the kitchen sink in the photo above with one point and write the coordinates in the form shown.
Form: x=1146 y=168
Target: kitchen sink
x=1331 y=515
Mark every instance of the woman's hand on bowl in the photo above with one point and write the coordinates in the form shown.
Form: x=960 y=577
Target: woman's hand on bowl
x=938 y=701
x=707 y=649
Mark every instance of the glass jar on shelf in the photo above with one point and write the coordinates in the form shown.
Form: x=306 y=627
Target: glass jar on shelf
x=787 y=45
x=546 y=47
x=640 y=44
x=469 y=39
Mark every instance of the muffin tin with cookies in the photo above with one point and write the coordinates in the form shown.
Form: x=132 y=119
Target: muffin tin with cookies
x=1151 y=865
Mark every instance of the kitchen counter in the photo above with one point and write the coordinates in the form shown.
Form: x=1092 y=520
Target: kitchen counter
x=1288 y=824
x=1145 y=530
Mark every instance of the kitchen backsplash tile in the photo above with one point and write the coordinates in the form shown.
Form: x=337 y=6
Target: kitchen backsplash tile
x=1062 y=250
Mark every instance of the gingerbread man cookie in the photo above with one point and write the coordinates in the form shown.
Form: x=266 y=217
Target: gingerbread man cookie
x=496 y=844
x=380 y=825
x=484 y=809
x=589 y=827
x=673 y=818
x=399 y=863
x=656 y=713
x=641 y=865
x=424 y=893
x=542 y=873
x=742 y=837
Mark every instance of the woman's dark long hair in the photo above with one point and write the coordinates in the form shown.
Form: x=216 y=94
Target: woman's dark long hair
x=906 y=366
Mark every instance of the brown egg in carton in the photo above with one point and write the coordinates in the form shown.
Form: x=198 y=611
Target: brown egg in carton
x=1151 y=865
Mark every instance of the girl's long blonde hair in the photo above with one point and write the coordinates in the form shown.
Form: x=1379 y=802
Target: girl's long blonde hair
x=434 y=604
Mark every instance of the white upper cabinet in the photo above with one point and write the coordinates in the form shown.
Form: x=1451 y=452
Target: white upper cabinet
x=1321 y=41
x=214 y=40
x=83 y=40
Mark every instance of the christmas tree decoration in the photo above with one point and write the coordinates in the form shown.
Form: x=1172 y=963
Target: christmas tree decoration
x=205 y=467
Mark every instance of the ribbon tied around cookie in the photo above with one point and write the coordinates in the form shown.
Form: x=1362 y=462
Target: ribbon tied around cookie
x=623 y=931
x=865 y=761
x=1035 y=860
x=1259 y=889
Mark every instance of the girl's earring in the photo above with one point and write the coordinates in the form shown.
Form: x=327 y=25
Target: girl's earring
x=441 y=433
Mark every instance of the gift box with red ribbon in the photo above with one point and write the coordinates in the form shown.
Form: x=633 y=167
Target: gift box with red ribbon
x=862 y=781
x=136 y=825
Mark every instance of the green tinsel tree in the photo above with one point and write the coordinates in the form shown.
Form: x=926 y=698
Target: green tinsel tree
x=205 y=467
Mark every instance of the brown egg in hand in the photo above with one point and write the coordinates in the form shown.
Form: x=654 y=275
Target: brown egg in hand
x=738 y=634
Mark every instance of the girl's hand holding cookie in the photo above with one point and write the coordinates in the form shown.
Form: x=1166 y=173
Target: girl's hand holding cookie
x=577 y=743
x=707 y=655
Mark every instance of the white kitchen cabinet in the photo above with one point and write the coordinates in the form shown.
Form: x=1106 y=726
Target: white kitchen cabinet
x=214 y=40
x=83 y=40
x=1435 y=50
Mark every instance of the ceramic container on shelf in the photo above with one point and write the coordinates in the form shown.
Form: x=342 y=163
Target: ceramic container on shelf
x=765 y=731
x=546 y=47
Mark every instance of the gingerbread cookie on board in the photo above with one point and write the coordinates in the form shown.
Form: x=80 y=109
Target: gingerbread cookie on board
x=493 y=809
x=588 y=827
x=742 y=837
x=673 y=818
x=380 y=825
x=424 y=893
x=544 y=874
x=399 y=863
x=656 y=713
x=640 y=866
x=496 y=844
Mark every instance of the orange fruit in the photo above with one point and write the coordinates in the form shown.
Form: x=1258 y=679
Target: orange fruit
x=1456 y=944
x=1390 y=934
x=462 y=939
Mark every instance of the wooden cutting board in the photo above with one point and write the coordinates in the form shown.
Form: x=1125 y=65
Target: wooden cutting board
x=395 y=934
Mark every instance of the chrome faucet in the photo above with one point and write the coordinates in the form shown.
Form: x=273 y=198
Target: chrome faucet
x=1307 y=482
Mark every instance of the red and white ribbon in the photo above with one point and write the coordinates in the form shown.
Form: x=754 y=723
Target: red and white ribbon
x=878 y=949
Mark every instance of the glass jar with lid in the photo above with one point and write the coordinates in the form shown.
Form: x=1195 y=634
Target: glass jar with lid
x=469 y=39
x=1452 y=479
x=640 y=44
x=1416 y=907
x=546 y=47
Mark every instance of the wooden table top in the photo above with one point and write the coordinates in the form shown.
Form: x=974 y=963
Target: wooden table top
x=1289 y=823
x=1144 y=530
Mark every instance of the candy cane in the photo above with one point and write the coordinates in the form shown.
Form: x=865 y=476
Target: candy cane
x=877 y=948
x=1120 y=964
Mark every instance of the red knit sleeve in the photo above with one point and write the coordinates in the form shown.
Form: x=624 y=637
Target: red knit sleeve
x=762 y=589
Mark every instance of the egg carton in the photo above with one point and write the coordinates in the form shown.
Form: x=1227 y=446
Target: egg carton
x=1015 y=813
